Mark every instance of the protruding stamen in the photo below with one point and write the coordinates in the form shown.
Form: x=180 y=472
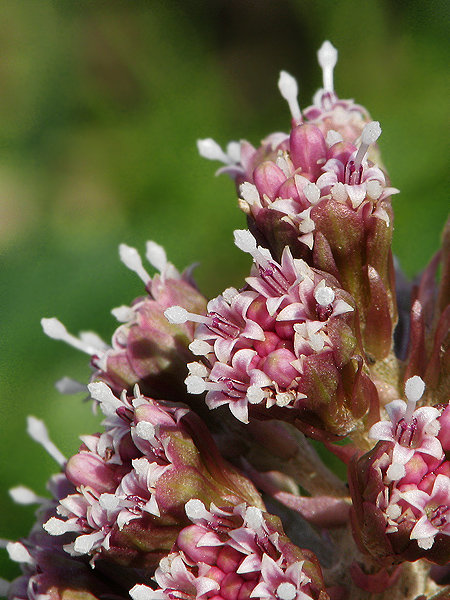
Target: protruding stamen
x=395 y=472
x=289 y=90
x=124 y=314
x=57 y=331
x=245 y=241
x=195 y=510
x=177 y=315
x=142 y=592
x=195 y=384
x=69 y=386
x=286 y=591
x=324 y=295
x=249 y=193
x=414 y=389
x=25 y=496
x=37 y=430
x=156 y=255
x=102 y=393
x=327 y=56
x=312 y=193
x=200 y=348
x=131 y=259
x=369 y=135
x=18 y=553
x=210 y=149
x=198 y=369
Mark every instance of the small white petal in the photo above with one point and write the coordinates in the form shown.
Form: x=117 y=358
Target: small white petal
x=156 y=255
x=131 y=259
x=18 y=553
x=37 y=430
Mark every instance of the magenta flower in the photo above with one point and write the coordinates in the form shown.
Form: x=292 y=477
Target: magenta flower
x=145 y=349
x=236 y=553
x=133 y=480
x=263 y=346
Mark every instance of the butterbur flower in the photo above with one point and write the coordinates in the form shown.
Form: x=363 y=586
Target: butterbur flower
x=316 y=191
x=133 y=481
x=401 y=489
x=145 y=349
x=234 y=553
x=281 y=347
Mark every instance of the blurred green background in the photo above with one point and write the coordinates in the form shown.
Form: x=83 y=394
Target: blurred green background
x=101 y=104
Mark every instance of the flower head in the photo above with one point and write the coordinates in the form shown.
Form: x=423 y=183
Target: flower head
x=265 y=346
x=133 y=480
x=238 y=552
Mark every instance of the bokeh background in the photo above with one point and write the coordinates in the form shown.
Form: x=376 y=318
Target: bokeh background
x=101 y=103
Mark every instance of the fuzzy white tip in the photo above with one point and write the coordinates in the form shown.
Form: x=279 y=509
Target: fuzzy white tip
x=289 y=90
x=255 y=394
x=123 y=313
x=324 y=295
x=414 y=388
x=327 y=56
x=54 y=328
x=37 y=430
x=195 y=384
x=198 y=369
x=396 y=471
x=156 y=255
x=200 y=348
x=312 y=193
x=229 y=294
x=18 y=553
x=244 y=240
x=195 y=509
x=210 y=149
x=249 y=192
x=176 y=315
x=371 y=133
x=254 y=518
x=145 y=430
x=69 y=386
x=286 y=591
x=143 y=592
x=56 y=526
x=23 y=495
x=132 y=260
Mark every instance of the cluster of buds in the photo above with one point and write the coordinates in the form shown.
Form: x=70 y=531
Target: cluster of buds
x=203 y=484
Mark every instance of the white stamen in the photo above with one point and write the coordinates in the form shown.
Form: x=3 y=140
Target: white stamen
x=66 y=385
x=145 y=430
x=210 y=149
x=374 y=189
x=327 y=56
x=245 y=241
x=324 y=295
x=369 y=135
x=255 y=394
x=25 y=496
x=57 y=331
x=249 y=192
x=102 y=393
x=234 y=151
x=229 y=294
x=425 y=543
x=333 y=137
x=289 y=90
x=124 y=314
x=38 y=432
x=56 y=526
x=195 y=509
x=338 y=192
x=254 y=518
x=131 y=259
x=143 y=592
x=177 y=315
x=200 y=348
x=198 y=369
x=395 y=472
x=414 y=389
x=18 y=553
x=195 y=384
x=156 y=255
x=312 y=193
x=286 y=591
x=109 y=502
